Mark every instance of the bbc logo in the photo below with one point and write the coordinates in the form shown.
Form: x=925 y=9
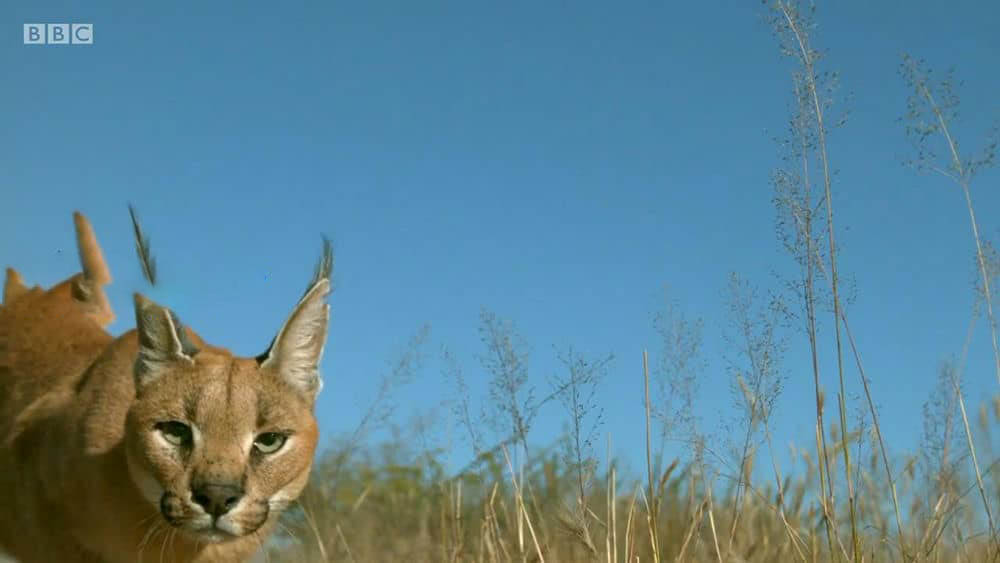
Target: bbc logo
x=58 y=33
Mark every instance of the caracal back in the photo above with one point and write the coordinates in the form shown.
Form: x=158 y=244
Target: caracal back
x=48 y=337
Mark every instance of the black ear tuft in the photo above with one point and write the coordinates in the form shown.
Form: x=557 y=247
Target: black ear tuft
x=324 y=266
x=142 y=249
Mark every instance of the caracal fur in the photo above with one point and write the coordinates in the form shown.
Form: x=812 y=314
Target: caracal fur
x=152 y=446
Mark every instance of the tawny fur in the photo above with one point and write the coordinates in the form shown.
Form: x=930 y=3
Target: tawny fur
x=81 y=460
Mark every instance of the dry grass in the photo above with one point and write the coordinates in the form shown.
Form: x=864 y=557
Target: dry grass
x=378 y=510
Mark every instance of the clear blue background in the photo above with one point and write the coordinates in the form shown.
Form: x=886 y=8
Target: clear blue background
x=556 y=162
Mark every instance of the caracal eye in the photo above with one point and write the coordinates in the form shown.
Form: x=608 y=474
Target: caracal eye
x=269 y=442
x=175 y=432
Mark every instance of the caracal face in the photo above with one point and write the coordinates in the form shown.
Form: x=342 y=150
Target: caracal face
x=220 y=445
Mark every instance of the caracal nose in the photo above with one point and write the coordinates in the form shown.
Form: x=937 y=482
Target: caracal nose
x=217 y=499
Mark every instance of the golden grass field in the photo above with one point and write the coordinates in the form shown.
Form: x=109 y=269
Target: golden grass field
x=368 y=507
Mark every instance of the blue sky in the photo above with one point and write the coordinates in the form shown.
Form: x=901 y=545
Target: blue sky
x=557 y=163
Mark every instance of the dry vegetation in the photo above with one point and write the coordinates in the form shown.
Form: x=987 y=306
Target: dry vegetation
x=851 y=497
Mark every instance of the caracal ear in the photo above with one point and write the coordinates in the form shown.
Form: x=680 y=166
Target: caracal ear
x=297 y=349
x=163 y=342
x=95 y=270
x=13 y=287
x=88 y=287
x=295 y=352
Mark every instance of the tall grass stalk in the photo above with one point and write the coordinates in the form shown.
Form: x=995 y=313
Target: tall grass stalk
x=521 y=509
x=881 y=442
x=957 y=170
x=651 y=499
x=798 y=45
